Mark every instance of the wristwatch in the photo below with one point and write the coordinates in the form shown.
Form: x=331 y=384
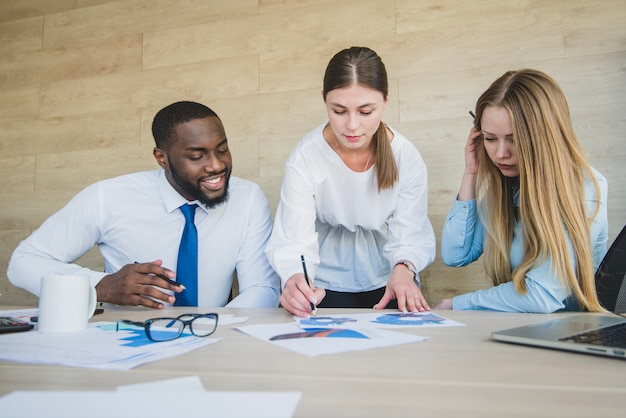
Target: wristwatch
x=409 y=265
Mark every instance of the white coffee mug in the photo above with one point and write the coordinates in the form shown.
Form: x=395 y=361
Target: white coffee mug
x=65 y=303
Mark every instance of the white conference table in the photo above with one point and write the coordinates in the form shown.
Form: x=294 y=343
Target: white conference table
x=457 y=372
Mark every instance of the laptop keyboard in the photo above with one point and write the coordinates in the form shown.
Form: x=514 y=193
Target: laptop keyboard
x=613 y=336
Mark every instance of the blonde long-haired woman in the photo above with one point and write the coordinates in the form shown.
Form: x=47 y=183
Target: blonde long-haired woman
x=529 y=201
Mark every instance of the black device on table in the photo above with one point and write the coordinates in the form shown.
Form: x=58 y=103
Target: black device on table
x=10 y=324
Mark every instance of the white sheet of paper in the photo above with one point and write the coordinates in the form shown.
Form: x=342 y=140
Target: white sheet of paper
x=26 y=314
x=378 y=320
x=178 y=384
x=22 y=314
x=81 y=404
x=326 y=341
x=99 y=346
x=226 y=319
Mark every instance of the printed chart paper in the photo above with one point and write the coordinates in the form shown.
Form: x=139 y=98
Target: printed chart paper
x=21 y=314
x=378 y=320
x=99 y=346
x=314 y=341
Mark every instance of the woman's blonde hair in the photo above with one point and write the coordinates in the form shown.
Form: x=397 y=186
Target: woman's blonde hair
x=551 y=187
x=361 y=65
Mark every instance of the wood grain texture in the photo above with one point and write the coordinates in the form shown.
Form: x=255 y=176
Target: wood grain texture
x=16 y=10
x=21 y=35
x=122 y=17
x=81 y=80
x=116 y=55
x=94 y=131
x=456 y=372
x=157 y=87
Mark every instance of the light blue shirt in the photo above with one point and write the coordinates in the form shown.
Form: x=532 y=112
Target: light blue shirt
x=135 y=218
x=462 y=243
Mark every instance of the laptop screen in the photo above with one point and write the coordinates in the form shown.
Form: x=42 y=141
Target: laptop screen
x=611 y=276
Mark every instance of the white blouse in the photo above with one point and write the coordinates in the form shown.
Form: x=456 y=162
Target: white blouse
x=350 y=234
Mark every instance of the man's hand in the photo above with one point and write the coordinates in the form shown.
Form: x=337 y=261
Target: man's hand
x=136 y=284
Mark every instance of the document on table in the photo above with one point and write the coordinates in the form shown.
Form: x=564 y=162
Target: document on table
x=378 y=320
x=26 y=314
x=187 y=398
x=99 y=346
x=318 y=341
x=22 y=314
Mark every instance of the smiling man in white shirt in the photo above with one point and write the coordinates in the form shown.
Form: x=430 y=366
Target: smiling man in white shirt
x=136 y=222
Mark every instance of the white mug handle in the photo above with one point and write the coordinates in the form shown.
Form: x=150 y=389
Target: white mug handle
x=93 y=299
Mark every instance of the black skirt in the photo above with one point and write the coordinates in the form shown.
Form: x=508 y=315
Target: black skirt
x=355 y=300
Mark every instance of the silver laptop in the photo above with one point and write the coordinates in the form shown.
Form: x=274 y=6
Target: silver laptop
x=587 y=333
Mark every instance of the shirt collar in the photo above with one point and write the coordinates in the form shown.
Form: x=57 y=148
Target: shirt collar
x=171 y=198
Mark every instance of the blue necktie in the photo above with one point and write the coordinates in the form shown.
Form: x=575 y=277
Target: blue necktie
x=187 y=267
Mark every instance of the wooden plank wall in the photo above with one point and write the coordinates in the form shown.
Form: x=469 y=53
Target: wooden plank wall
x=80 y=81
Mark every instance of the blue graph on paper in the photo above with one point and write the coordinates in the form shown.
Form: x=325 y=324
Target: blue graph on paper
x=378 y=320
x=409 y=319
x=136 y=337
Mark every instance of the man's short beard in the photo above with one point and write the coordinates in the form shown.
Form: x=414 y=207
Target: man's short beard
x=195 y=191
x=213 y=203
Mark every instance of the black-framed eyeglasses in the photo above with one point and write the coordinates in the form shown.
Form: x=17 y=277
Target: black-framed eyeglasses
x=167 y=329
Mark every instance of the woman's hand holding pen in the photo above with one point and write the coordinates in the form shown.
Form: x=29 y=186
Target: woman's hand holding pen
x=297 y=296
x=402 y=287
x=468 y=184
x=471 y=160
x=137 y=284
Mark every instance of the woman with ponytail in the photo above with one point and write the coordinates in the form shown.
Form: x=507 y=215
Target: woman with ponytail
x=353 y=202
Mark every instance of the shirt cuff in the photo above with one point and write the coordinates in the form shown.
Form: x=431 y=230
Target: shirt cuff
x=462 y=302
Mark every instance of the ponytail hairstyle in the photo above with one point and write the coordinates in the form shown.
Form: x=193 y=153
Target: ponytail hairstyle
x=362 y=66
